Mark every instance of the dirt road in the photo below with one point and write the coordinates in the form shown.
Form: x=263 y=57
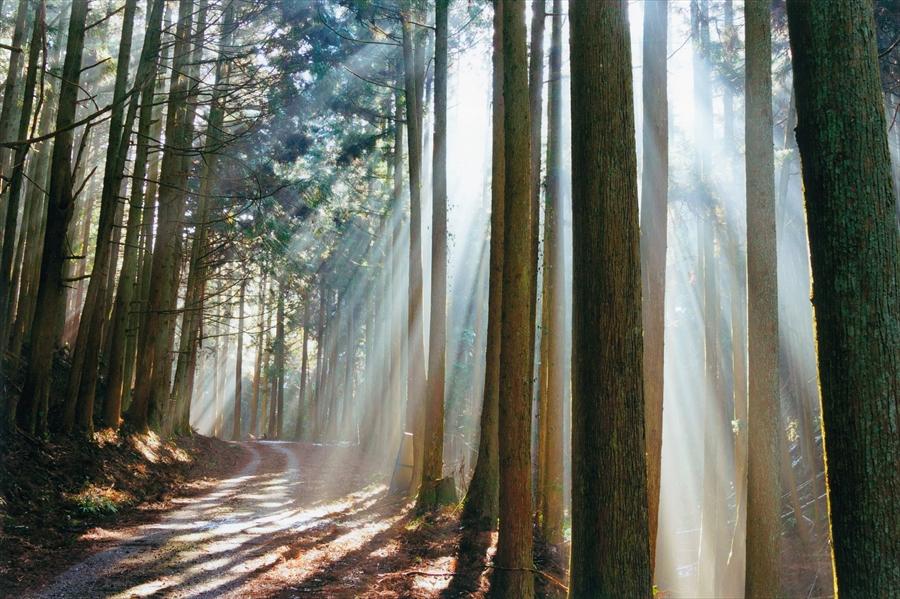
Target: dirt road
x=298 y=521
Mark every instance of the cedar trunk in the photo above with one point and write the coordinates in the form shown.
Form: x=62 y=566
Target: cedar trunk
x=855 y=259
x=481 y=505
x=51 y=292
x=413 y=79
x=553 y=332
x=434 y=419
x=654 y=186
x=764 y=431
x=610 y=541
x=513 y=577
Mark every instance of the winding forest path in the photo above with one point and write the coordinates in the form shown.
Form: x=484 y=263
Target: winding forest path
x=298 y=520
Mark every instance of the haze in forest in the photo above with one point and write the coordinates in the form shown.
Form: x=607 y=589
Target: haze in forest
x=439 y=298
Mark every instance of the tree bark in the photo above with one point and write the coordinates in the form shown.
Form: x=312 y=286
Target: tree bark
x=50 y=304
x=416 y=349
x=481 y=507
x=654 y=211
x=304 y=372
x=117 y=383
x=11 y=84
x=553 y=331
x=535 y=107
x=153 y=363
x=14 y=189
x=238 y=366
x=513 y=578
x=82 y=387
x=855 y=258
x=260 y=350
x=610 y=541
x=437 y=337
x=763 y=488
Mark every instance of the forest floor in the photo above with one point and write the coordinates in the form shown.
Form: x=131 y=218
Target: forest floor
x=289 y=520
x=52 y=495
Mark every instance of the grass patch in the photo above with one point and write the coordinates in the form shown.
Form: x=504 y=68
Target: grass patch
x=99 y=501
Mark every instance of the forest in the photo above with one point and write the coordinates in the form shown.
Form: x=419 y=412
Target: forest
x=595 y=299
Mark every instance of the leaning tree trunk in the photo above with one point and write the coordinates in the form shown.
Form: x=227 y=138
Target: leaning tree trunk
x=197 y=273
x=11 y=85
x=14 y=189
x=610 y=541
x=153 y=362
x=82 y=386
x=513 y=577
x=51 y=293
x=31 y=242
x=481 y=507
x=855 y=258
x=117 y=383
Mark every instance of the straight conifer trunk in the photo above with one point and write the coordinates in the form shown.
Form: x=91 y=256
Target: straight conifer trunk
x=481 y=504
x=654 y=210
x=855 y=258
x=513 y=578
x=764 y=431
x=610 y=541
x=304 y=370
x=553 y=331
x=260 y=350
x=238 y=366
x=413 y=80
x=434 y=419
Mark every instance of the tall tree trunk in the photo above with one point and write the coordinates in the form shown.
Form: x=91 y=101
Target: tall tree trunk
x=712 y=552
x=14 y=189
x=397 y=320
x=276 y=407
x=32 y=241
x=82 y=387
x=50 y=304
x=260 y=350
x=654 y=210
x=513 y=578
x=238 y=365
x=855 y=257
x=437 y=335
x=481 y=505
x=165 y=404
x=610 y=541
x=304 y=366
x=535 y=107
x=416 y=350
x=763 y=489
x=553 y=332
x=198 y=269
x=11 y=86
x=117 y=383
x=153 y=363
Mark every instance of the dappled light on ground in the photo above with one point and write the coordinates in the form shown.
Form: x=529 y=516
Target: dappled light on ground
x=297 y=519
